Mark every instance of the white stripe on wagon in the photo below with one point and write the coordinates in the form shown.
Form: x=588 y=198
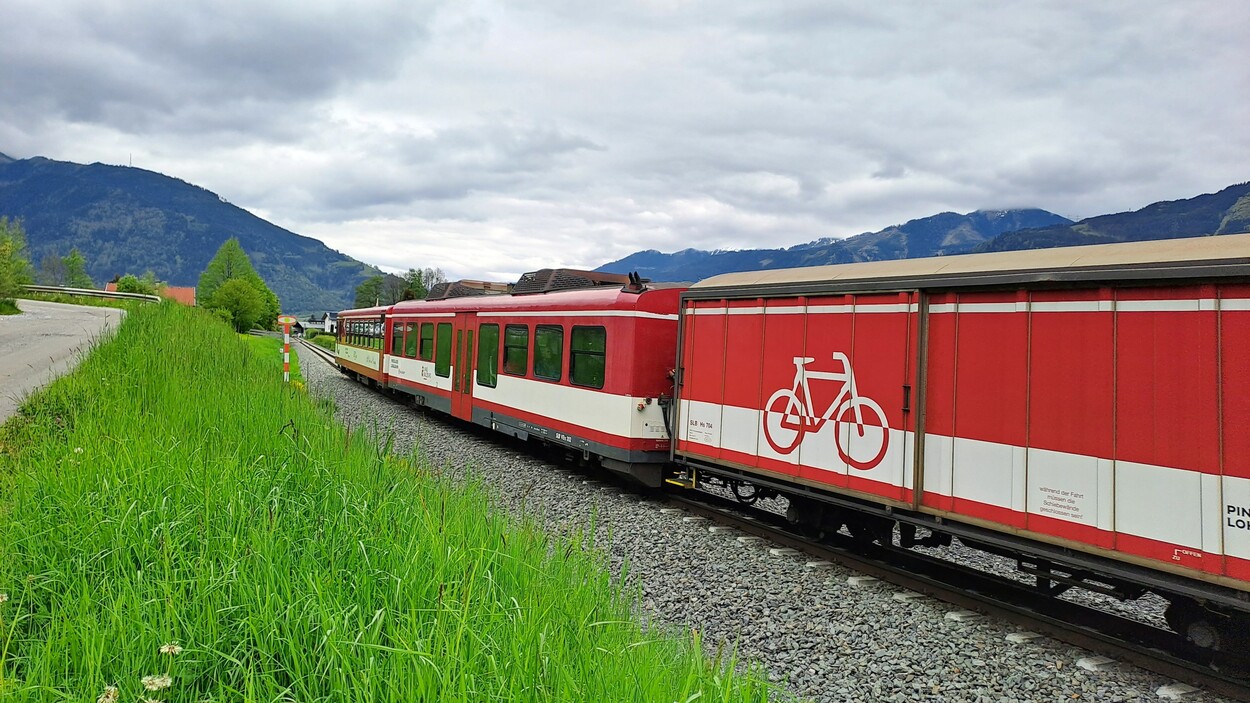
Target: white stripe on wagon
x=1201 y=510
x=577 y=313
x=370 y=359
x=809 y=310
x=415 y=315
x=1194 y=305
x=615 y=415
x=1189 y=305
x=1072 y=306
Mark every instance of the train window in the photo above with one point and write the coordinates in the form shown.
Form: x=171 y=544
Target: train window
x=488 y=355
x=397 y=338
x=410 y=340
x=589 y=348
x=516 y=349
x=442 y=357
x=548 y=352
x=427 y=341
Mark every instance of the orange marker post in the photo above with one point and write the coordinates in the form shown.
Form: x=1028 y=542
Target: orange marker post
x=286 y=321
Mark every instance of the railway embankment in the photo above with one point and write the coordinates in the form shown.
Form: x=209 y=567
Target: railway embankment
x=177 y=524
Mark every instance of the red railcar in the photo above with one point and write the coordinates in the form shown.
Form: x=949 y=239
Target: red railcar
x=1087 y=406
x=587 y=368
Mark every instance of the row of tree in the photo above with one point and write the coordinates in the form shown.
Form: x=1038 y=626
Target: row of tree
x=229 y=286
x=69 y=271
x=389 y=289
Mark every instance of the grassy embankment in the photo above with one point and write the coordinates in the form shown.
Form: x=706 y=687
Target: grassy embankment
x=269 y=349
x=172 y=491
x=324 y=340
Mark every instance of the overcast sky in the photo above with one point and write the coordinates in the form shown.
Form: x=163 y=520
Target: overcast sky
x=490 y=138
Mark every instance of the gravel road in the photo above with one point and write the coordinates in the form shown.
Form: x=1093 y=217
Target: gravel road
x=814 y=633
x=43 y=342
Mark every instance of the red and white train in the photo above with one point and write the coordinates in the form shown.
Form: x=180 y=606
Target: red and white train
x=577 y=359
x=1084 y=410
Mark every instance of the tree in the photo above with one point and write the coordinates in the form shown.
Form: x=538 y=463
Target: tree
x=147 y=285
x=231 y=263
x=14 y=266
x=389 y=289
x=369 y=292
x=421 y=280
x=394 y=289
x=241 y=300
x=75 y=267
x=52 y=270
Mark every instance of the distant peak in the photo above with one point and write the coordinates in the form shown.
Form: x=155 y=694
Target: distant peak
x=6 y=159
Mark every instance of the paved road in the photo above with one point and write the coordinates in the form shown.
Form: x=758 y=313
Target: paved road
x=44 y=342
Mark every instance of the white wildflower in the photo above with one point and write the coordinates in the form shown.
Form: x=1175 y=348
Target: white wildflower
x=78 y=450
x=4 y=597
x=109 y=695
x=156 y=683
x=172 y=649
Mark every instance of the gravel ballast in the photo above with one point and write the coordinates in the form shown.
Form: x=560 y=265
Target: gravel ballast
x=815 y=634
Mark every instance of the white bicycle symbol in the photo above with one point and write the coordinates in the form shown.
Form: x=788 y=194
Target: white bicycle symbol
x=787 y=415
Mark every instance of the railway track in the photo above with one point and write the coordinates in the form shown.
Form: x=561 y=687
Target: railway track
x=323 y=354
x=1116 y=638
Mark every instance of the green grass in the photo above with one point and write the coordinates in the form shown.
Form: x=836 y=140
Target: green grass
x=269 y=349
x=173 y=490
x=8 y=307
x=325 y=341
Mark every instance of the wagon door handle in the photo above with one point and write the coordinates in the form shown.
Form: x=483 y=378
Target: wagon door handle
x=906 y=398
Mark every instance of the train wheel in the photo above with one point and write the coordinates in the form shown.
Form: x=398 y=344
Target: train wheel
x=746 y=493
x=1204 y=628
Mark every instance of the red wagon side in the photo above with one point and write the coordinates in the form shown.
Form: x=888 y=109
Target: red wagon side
x=1087 y=405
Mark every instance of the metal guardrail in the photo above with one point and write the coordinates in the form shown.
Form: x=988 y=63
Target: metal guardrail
x=93 y=293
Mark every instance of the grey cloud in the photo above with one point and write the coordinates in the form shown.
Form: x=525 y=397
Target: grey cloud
x=138 y=66
x=487 y=134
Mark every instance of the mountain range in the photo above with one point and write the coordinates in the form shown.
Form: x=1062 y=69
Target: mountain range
x=1225 y=212
x=129 y=220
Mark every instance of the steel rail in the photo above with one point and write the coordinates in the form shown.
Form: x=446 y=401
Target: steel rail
x=323 y=354
x=1153 y=649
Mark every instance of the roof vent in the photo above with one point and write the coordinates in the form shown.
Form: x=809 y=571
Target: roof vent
x=460 y=289
x=548 y=280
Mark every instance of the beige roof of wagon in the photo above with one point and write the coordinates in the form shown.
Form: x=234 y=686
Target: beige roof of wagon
x=1179 y=251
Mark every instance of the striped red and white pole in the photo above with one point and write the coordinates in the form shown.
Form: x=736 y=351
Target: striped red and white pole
x=286 y=321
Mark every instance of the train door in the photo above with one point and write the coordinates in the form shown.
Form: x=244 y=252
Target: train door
x=462 y=371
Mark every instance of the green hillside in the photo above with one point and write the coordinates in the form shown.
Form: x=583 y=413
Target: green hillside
x=127 y=219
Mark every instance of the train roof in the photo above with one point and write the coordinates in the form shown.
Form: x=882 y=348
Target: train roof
x=364 y=312
x=1196 y=257
x=657 y=298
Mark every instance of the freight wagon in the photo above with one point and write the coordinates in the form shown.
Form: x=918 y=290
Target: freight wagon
x=1085 y=410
